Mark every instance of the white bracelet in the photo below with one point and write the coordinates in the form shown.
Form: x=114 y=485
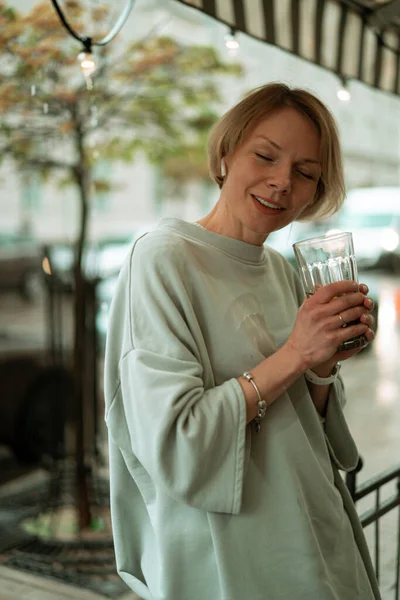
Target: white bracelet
x=261 y=404
x=314 y=378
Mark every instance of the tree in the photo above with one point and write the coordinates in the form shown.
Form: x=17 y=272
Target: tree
x=155 y=95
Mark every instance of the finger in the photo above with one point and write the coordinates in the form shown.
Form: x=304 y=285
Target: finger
x=369 y=303
x=367 y=319
x=346 y=302
x=346 y=333
x=337 y=321
x=363 y=288
x=370 y=335
x=327 y=292
x=344 y=355
x=353 y=314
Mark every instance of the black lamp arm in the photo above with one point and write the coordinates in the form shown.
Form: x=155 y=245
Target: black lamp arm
x=88 y=42
x=65 y=22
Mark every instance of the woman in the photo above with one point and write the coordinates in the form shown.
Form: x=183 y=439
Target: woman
x=223 y=400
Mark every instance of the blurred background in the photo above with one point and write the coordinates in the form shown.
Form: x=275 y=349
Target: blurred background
x=92 y=159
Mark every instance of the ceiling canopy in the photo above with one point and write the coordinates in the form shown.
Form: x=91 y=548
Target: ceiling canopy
x=357 y=39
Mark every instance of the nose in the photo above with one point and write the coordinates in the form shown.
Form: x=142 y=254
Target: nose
x=279 y=179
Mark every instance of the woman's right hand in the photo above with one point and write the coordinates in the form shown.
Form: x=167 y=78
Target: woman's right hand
x=319 y=328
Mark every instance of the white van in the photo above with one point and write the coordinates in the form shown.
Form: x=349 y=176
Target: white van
x=373 y=216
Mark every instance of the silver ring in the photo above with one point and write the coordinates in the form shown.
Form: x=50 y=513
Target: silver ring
x=344 y=324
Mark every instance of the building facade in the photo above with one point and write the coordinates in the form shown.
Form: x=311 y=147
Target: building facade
x=368 y=124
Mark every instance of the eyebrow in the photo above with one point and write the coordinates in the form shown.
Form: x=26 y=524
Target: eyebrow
x=275 y=145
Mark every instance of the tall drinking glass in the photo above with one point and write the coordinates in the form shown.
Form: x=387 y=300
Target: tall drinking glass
x=324 y=260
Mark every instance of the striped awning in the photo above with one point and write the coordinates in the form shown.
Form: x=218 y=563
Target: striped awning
x=355 y=39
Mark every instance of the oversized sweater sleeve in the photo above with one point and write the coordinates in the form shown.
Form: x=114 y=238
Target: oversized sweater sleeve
x=341 y=445
x=190 y=440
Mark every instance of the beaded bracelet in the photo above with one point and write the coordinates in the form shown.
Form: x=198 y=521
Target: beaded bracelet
x=261 y=404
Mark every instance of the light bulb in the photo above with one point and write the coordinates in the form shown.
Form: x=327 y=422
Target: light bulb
x=390 y=240
x=343 y=92
x=344 y=95
x=231 y=43
x=87 y=63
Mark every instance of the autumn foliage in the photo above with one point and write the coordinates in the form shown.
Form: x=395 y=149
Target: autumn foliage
x=155 y=94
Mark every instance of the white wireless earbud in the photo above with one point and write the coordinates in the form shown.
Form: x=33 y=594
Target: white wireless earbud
x=223 y=168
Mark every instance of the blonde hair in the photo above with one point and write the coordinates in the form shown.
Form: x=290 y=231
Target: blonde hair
x=231 y=128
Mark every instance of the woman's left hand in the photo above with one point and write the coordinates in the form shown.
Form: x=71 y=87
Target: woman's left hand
x=325 y=369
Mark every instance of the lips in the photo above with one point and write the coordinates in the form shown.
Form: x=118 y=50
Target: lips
x=267 y=203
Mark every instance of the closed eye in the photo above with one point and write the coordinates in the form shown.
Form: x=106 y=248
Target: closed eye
x=267 y=158
x=306 y=175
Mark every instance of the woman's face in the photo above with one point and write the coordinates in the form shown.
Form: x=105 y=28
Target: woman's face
x=271 y=176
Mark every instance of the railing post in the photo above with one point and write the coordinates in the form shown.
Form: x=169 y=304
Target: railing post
x=351 y=478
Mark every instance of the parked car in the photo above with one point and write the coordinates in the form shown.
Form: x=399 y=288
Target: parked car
x=101 y=259
x=283 y=239
x=373 y=216
x=21 y=265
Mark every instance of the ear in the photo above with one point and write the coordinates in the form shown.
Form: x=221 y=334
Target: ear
x=223 y=168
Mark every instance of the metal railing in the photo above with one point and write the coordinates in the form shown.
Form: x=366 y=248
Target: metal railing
x=381 y=507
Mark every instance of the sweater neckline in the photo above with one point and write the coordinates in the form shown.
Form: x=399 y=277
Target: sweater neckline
x=233 y=247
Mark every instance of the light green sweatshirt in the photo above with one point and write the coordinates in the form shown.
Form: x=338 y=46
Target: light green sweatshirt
x=204 y=508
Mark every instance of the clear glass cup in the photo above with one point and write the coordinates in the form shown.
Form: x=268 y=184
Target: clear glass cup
x=326 y=259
